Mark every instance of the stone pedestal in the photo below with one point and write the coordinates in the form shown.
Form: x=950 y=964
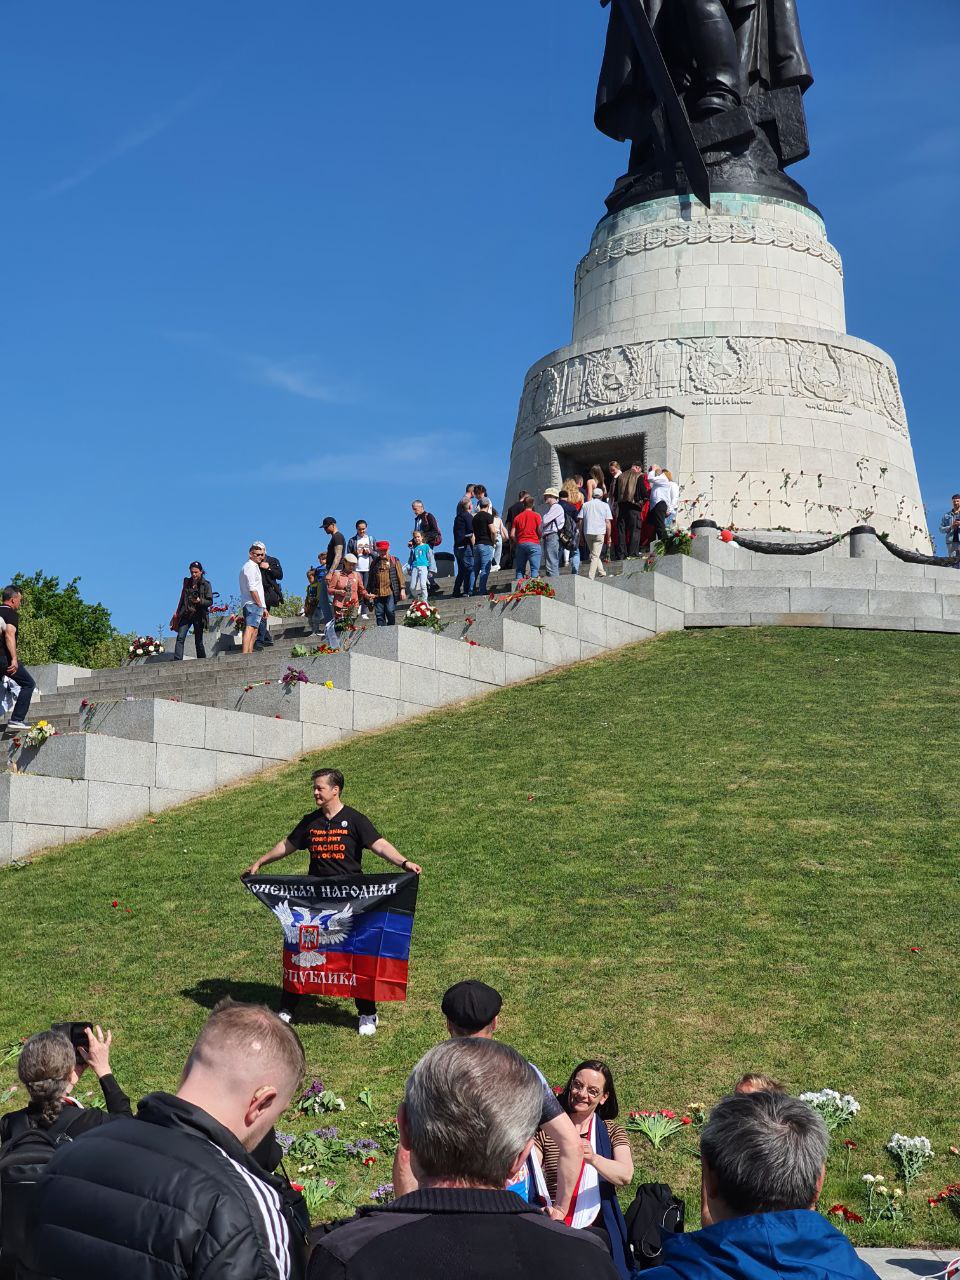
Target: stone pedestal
x=713 y=342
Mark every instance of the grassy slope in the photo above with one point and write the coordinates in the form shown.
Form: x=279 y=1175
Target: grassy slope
x=734 y=840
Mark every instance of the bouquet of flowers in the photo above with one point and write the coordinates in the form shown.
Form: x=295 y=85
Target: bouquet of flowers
x=881 y=1201
x=292 y=676
x=911 y=1154
x=144 y=647
x=422 y=614
x=533 y=587
x=38 y=735
x=835 y=1108
x=657 y=1126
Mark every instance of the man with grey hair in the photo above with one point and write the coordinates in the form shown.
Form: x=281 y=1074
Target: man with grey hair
x=762 y=1157
x=469 y=1115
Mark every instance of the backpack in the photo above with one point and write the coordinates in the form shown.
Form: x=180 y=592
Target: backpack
x=569 y=534
x=23 y=1158
x=654 y=1212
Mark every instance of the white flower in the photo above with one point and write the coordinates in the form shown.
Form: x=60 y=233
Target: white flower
x=868 y=1177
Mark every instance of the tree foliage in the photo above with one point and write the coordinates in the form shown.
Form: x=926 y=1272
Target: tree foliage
x=58 y=625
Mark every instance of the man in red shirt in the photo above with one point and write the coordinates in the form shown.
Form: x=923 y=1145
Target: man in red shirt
x=525 y=536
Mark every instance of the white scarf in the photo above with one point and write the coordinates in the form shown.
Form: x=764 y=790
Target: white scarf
x=585 y=1201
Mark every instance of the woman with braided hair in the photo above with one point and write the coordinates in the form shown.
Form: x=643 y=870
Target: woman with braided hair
x=50 y=1067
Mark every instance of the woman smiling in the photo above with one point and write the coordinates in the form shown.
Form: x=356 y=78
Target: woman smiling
x=590 y=1100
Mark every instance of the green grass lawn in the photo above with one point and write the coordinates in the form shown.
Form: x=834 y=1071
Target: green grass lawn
x=706 y=854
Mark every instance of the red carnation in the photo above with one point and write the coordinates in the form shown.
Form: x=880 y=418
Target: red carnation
x=916 y=949
x=726 y=536
x=848 y=1143
x=851 y=1216
x=685 y=1120
x=370 y=1160
x=114 y=903
x=670 y=1115
x=838 y=1208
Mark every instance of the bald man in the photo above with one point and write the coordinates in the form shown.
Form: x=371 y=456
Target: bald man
x=175 y=1192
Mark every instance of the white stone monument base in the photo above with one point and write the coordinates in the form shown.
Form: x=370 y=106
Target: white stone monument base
x=713 y=342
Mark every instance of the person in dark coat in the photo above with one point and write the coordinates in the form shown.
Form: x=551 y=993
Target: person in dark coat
x=271 y=571
x=762 y=1159
x=469 y=1114
x=717 y=51
x=49 y=1067
x=196 y=597
x=175 y=1193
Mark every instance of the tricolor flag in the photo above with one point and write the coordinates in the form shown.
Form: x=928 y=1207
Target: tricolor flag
x=347 y=937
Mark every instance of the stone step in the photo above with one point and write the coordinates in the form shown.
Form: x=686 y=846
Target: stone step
x=843 y=601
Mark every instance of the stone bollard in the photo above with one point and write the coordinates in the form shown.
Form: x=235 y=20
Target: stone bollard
x=864 y=543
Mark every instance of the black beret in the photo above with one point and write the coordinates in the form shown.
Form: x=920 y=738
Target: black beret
x=471 y=1005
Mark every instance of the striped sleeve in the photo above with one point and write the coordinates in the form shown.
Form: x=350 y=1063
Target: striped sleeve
x=276 y=1233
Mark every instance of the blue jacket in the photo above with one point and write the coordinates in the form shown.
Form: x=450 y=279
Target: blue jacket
x=796 y=1245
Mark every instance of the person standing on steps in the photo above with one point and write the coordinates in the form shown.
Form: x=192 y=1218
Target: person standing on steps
x=362 y=546
x=553 y=521
x=525 y=536
x=336 y=549
x=336 y=837
x=596 y=522
x=271 y=571
x=950 y=528
x=386 y=585
x=251 y=597
x=10 y=664
x=196 y=597
x=425 y=522
x=463 y=548
x=484 y=541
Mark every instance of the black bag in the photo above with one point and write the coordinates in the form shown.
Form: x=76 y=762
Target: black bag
x=570 y=533
x=654 y=1212
x=23 y=1158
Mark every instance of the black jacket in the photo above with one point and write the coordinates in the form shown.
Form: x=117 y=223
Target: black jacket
x=458 y=1232
x=271 y=571
x=195 y=600
x=118 y=1104
x=463 y=528
x=168 y=1194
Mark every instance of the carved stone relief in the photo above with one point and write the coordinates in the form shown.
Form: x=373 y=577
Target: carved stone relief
x=617 y=377
x=663 y=235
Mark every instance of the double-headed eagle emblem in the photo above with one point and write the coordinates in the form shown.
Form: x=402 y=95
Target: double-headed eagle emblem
x=309 y=931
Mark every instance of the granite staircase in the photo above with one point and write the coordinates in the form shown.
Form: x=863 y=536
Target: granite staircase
x=149 y=736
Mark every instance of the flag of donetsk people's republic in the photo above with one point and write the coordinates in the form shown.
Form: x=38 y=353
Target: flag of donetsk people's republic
x=343 y=936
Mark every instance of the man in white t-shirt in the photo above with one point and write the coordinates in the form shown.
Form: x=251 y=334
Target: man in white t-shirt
x=596 y=521
x=251 y=596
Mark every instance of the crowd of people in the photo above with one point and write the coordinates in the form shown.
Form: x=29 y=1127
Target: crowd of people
x=495 y=1174
x=588 y=520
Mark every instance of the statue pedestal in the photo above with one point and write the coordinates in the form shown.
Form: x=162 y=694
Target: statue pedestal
x=713 y=342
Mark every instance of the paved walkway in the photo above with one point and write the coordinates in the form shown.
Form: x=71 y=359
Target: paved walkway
x=901 y=1264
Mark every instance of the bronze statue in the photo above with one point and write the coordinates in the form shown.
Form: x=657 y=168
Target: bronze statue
x=739 y=68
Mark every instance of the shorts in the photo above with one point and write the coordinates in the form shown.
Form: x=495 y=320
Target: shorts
x=252 y=615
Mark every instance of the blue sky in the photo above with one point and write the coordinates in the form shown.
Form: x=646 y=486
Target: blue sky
x=266 y=262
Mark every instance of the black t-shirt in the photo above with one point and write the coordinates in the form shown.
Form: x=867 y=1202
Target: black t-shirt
x=335 y=844
x=10 y=616
x=483 y=528
x=336 y=540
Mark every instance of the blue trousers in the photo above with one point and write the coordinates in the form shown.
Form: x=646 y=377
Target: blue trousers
x=526 y=559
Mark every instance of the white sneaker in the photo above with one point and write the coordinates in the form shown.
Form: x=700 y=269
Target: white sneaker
x=368 y=1024
x=285 y=1016
x=17 y=724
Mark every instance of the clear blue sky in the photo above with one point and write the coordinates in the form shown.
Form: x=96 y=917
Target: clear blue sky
x=263 y=262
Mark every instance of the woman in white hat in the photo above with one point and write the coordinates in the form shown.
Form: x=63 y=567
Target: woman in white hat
x=346 y=589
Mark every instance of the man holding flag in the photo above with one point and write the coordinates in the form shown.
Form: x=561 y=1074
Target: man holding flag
x=336 y=837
